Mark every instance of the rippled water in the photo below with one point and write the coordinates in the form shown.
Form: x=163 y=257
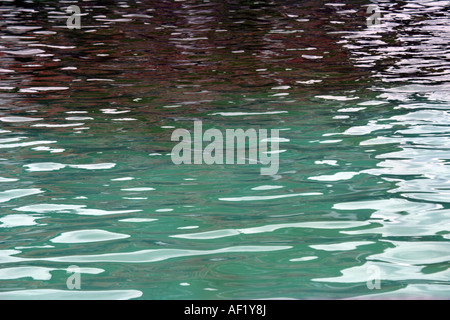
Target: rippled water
x=87 y=179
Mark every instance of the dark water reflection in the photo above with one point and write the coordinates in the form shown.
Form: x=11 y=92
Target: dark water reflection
x=170 y=49
x=86 y=117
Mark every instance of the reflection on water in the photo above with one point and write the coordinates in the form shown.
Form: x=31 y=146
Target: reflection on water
x=86 y=175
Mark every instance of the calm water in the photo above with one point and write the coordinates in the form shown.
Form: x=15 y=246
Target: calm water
x=87 y=179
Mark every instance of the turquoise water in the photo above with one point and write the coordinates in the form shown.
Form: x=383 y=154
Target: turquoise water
x=87 y=178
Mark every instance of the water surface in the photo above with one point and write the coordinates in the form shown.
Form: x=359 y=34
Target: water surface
x=87 y=179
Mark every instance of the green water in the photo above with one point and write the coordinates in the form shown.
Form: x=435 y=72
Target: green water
x=87 y=180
